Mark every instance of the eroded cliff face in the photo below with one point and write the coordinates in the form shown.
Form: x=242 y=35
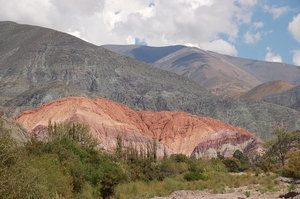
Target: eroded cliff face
x=226 y=142
x=182 y=132
x=179 y=131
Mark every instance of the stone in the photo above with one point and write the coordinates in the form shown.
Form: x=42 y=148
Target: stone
x=291 y=194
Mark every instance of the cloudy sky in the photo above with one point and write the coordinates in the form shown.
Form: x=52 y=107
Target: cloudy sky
x=257 y=29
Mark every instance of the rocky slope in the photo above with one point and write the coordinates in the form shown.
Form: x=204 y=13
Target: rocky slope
x=32 y=56
x=266 y=89
x=17 y=130
x=179 y=131
x=207 y=68
x=38 y=65
x=289 y=98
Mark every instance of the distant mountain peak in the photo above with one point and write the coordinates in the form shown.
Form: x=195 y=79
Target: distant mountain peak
x=225 y=75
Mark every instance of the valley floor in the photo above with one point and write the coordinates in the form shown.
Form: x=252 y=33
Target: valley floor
x=235 y=193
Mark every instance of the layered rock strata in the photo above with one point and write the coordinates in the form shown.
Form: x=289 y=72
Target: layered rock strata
x=226 y=142
x=179 y=131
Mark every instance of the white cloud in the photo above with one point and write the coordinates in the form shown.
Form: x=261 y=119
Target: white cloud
x=28 y=11
x=76 y=34
x=251 y=38
x=258 y=24
x=219 y=46
x=130 y=40
x=160 y=22
x=276 y=11
x=271 y=57
x=296 y=57
x=294 y=27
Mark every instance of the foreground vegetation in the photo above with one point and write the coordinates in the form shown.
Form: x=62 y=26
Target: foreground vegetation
x=69 y=165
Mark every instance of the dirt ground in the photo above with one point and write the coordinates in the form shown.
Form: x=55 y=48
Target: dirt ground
x=239 y=193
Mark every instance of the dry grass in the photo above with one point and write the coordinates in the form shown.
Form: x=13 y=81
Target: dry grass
x=219 y=183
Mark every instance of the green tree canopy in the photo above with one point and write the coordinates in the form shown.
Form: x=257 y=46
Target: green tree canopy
x=283 y=143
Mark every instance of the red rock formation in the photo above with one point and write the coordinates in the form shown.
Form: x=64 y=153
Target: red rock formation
x=179 y=131
x=226 y=142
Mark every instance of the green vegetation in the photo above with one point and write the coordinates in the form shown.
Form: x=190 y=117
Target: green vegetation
x=191 y=176
x=247 y=194
x=280 y=146
x=69 y=165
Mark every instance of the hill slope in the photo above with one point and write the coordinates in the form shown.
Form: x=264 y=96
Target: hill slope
x=289 y=98
x=267 y=71
x=179 y=131
x=38 y=65
x=266 y=89
x=32 y=56
x=207 y=68
x=17 y=130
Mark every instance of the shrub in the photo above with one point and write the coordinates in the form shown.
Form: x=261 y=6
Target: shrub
x=171 y=167
x=232 y=164
x=180 y=158
x=144 y=169
x=208 y=165
x=292 y=169
x=247 y=194
x=192 y=176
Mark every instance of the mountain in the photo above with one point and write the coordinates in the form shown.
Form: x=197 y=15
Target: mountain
x=42 y=94
x=267 y=71
x=17 y=130
x=221 y=74
x=289 y=98
x=38 y=65
x=266 y=89
x=179 y=131
x=33 y=56
x=207 y=68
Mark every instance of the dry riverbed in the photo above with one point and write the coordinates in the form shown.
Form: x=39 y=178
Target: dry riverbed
x=245 y=192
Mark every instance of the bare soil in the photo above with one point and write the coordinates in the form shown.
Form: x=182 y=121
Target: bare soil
x=237 y=193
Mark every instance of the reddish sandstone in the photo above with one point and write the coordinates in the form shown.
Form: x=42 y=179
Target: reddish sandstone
x=179 y=131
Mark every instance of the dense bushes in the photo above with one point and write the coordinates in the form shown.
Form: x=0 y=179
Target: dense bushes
x=66 y=166
x=232 y=164
x=192 y=176
x=83 y=166
x=69 y=166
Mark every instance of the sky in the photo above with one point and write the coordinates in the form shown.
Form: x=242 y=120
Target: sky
x=266 y=30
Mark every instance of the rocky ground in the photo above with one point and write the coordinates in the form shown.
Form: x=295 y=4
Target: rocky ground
x=240 y=193
x=251 y=192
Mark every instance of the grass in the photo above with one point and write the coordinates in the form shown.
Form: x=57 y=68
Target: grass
x=219 y=183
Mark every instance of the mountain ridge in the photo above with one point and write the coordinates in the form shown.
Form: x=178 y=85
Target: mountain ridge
x=41 y=65
x=257 y=72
